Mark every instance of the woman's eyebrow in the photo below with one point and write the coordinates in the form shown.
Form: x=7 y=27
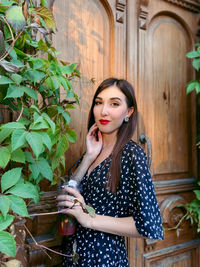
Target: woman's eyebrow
x=112 y=98
x=116 y=98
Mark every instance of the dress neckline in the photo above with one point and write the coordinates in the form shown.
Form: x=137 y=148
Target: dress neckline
x=103 y=163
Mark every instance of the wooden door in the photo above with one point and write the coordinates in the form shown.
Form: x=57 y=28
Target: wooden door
x=166 y=31
x=144 y=41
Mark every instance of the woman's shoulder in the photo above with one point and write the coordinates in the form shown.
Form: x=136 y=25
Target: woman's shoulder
x=132 y=148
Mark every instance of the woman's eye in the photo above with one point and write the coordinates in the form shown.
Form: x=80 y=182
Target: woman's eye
x=115 y=104
x=97 y=103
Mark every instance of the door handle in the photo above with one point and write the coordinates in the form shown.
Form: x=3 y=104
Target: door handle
x=144 y=139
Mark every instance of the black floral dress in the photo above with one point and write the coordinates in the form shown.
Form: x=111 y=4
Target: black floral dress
x=135 y=197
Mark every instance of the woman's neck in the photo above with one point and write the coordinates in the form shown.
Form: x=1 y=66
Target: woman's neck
x=109 y=140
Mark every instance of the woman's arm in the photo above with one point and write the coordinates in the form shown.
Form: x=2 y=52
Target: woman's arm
x=118 y=226
x=93 y=148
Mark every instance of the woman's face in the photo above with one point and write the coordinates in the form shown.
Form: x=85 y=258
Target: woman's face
x=110 y=109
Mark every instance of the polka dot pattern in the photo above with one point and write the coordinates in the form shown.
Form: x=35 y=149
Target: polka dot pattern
x=135 y=197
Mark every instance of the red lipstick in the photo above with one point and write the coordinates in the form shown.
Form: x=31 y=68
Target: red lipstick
x=104 y=122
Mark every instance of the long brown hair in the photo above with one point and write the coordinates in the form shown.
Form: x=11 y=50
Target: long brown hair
x=125 y=131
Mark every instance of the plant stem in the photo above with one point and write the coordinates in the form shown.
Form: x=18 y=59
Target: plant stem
x=20 y=113
x=178 y=224
x=11 y=46
x=46 y=248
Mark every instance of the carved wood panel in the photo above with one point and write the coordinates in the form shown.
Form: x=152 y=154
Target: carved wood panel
x=165 y=79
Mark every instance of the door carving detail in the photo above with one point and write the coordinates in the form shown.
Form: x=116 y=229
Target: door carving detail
x=171 y=213
x=120 y=7
x=143 y=14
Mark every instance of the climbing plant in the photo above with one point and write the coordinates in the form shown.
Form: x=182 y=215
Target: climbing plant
x=193 y=208
x=33 y=143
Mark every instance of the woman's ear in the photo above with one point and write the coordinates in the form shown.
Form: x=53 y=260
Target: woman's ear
x=130 y=111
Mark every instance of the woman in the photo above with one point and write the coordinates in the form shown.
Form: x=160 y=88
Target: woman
x=115 y=180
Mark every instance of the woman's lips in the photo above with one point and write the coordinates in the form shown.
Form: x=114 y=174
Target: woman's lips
x=104 y=122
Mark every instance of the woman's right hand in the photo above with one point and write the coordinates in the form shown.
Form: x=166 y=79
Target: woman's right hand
x=93 y=144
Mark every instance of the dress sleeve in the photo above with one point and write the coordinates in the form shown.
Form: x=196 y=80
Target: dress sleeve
x=143 y=203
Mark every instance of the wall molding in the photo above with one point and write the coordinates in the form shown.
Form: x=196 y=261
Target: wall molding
x=191 y=5
x=175 y=186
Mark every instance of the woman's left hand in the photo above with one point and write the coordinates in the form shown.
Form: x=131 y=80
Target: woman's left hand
x=74 y=209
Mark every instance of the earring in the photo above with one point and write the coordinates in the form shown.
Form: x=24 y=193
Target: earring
x=126 y=119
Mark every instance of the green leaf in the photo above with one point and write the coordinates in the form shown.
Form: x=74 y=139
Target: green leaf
x=35 y=141
x=13 y=125
x=50 y=122
x=4 y=133
x=5 y=222
x=40 y=125
x=90 y=210
x=197 y=193
x=71 y=135
x=33 y=107
x=29 y=157
x=64 y=83
x=7 y=244
x=18 y=156
x=32 y=43
x=54 y=136
x=62 y=146
x=68 y=69
x=70 y=94
x=24 y=190
x=24 y=121
x=18 y=138
x=14 y=91
x=38 y=63
x=5 y=80
x=16 y=18
x=47 y=16
x=196 y=63
x=192 y=85
x=34 y=75
x=4 y=205
x=64 y=114
x=34 y=168
x=17 y=62
x=7 y=2
x=2 y=44
x=20 y=53
x=69 y=84
x=4 y=156
x=30 y=92
x=193 y=54
x=10 y=178
x=52 y=83
x=46 y=140
x=44 y=3
x=41 y=166
x=16 y=78
x=69 y=106
x=18 y=205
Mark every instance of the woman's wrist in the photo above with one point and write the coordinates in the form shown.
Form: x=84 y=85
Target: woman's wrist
x=88 y=159
x=90 y=222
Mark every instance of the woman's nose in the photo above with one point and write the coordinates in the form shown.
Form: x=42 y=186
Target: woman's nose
x=104 y=110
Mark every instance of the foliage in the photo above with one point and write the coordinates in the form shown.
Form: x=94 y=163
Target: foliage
x=193 y=208
x=195 y=56
x=33 y=145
